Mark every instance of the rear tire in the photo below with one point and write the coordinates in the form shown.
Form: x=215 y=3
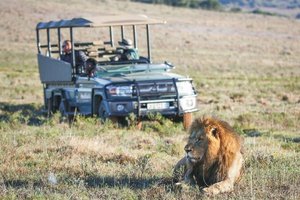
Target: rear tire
x=64 y=113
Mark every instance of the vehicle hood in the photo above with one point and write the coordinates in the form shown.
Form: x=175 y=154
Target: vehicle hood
x=144 y=76
x=138 y=72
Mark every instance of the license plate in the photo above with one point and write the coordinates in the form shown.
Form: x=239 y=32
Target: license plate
x=157 y=106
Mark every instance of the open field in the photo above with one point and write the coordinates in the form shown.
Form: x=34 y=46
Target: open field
x=246 y=70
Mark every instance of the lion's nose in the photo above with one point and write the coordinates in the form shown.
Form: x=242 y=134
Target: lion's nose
x=187 y=148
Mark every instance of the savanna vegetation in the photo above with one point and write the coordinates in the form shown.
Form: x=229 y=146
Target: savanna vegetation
x=246 y=71
x=205 y=4
x=213 y=4
x=289 y=8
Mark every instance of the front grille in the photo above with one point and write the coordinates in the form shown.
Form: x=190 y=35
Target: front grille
x=155 y=89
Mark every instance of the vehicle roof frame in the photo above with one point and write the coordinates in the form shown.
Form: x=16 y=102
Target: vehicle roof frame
x=109 y=21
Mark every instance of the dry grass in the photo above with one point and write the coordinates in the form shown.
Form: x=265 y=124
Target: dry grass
x=246 y=71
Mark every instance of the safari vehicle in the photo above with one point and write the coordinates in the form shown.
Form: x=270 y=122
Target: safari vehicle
x=116 y=88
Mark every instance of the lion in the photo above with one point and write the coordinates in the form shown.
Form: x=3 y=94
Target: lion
x=213 y=160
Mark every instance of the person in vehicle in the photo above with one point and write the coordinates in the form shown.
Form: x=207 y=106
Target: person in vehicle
x=80 y=57
x=128 y=51
x=91 y=65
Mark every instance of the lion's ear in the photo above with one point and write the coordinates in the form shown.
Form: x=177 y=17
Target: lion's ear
x=214 y=132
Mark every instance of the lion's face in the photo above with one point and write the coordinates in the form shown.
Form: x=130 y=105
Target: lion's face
x=203 y=141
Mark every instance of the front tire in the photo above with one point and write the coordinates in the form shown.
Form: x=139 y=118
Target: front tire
x=103 y=114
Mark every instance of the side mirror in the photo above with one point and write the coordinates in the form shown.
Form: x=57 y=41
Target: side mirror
x=169 y=64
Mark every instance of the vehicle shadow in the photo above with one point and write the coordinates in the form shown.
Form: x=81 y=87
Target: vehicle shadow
x=135 y=183
x=99 y=182
x=17 y=184
x=30 y=114
x=288 y=139
x=257 y=133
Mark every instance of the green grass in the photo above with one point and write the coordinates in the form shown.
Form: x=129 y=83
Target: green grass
x=91 y=159
x=94 y=160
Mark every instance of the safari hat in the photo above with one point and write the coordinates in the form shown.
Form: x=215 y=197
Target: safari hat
x=126 y=43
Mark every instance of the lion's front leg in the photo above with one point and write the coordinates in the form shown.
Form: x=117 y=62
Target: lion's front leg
x=220 y=187
x=183 y=172
x=233 y=174
x=189 y=177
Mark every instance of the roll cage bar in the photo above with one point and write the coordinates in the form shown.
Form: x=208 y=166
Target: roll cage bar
x=109 y=21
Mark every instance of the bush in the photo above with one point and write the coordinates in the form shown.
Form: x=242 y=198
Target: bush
x=261 y=12
x=235 y=9
x=210 y=5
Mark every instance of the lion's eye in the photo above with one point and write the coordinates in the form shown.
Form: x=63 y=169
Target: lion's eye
x=199 y=140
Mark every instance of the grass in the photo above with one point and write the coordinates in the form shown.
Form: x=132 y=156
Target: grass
x=245 y=68
x=94 y=160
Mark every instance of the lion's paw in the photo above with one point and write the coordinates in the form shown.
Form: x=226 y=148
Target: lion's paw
x=210 y=191
x=183 y=187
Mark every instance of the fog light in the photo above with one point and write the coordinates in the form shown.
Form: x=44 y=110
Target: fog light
x=190 y=103
x=120 y=107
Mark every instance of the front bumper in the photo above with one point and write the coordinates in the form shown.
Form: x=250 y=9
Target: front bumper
x=144 y=107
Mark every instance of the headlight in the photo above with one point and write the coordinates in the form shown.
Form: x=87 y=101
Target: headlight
x=187 y=103
x=185 y=88
x=119 y=90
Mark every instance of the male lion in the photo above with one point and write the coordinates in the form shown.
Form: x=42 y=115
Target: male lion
x=213 y=157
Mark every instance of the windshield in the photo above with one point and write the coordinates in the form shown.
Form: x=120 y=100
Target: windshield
x=121 y=70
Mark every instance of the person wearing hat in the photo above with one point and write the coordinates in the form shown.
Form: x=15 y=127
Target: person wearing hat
x=129 y=52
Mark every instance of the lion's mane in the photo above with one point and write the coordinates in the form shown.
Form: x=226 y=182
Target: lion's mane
x=222 y=155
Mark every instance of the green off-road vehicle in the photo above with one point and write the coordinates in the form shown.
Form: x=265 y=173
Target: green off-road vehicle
x=109 y=87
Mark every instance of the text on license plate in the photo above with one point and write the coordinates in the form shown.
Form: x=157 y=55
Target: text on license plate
x=158 y=106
